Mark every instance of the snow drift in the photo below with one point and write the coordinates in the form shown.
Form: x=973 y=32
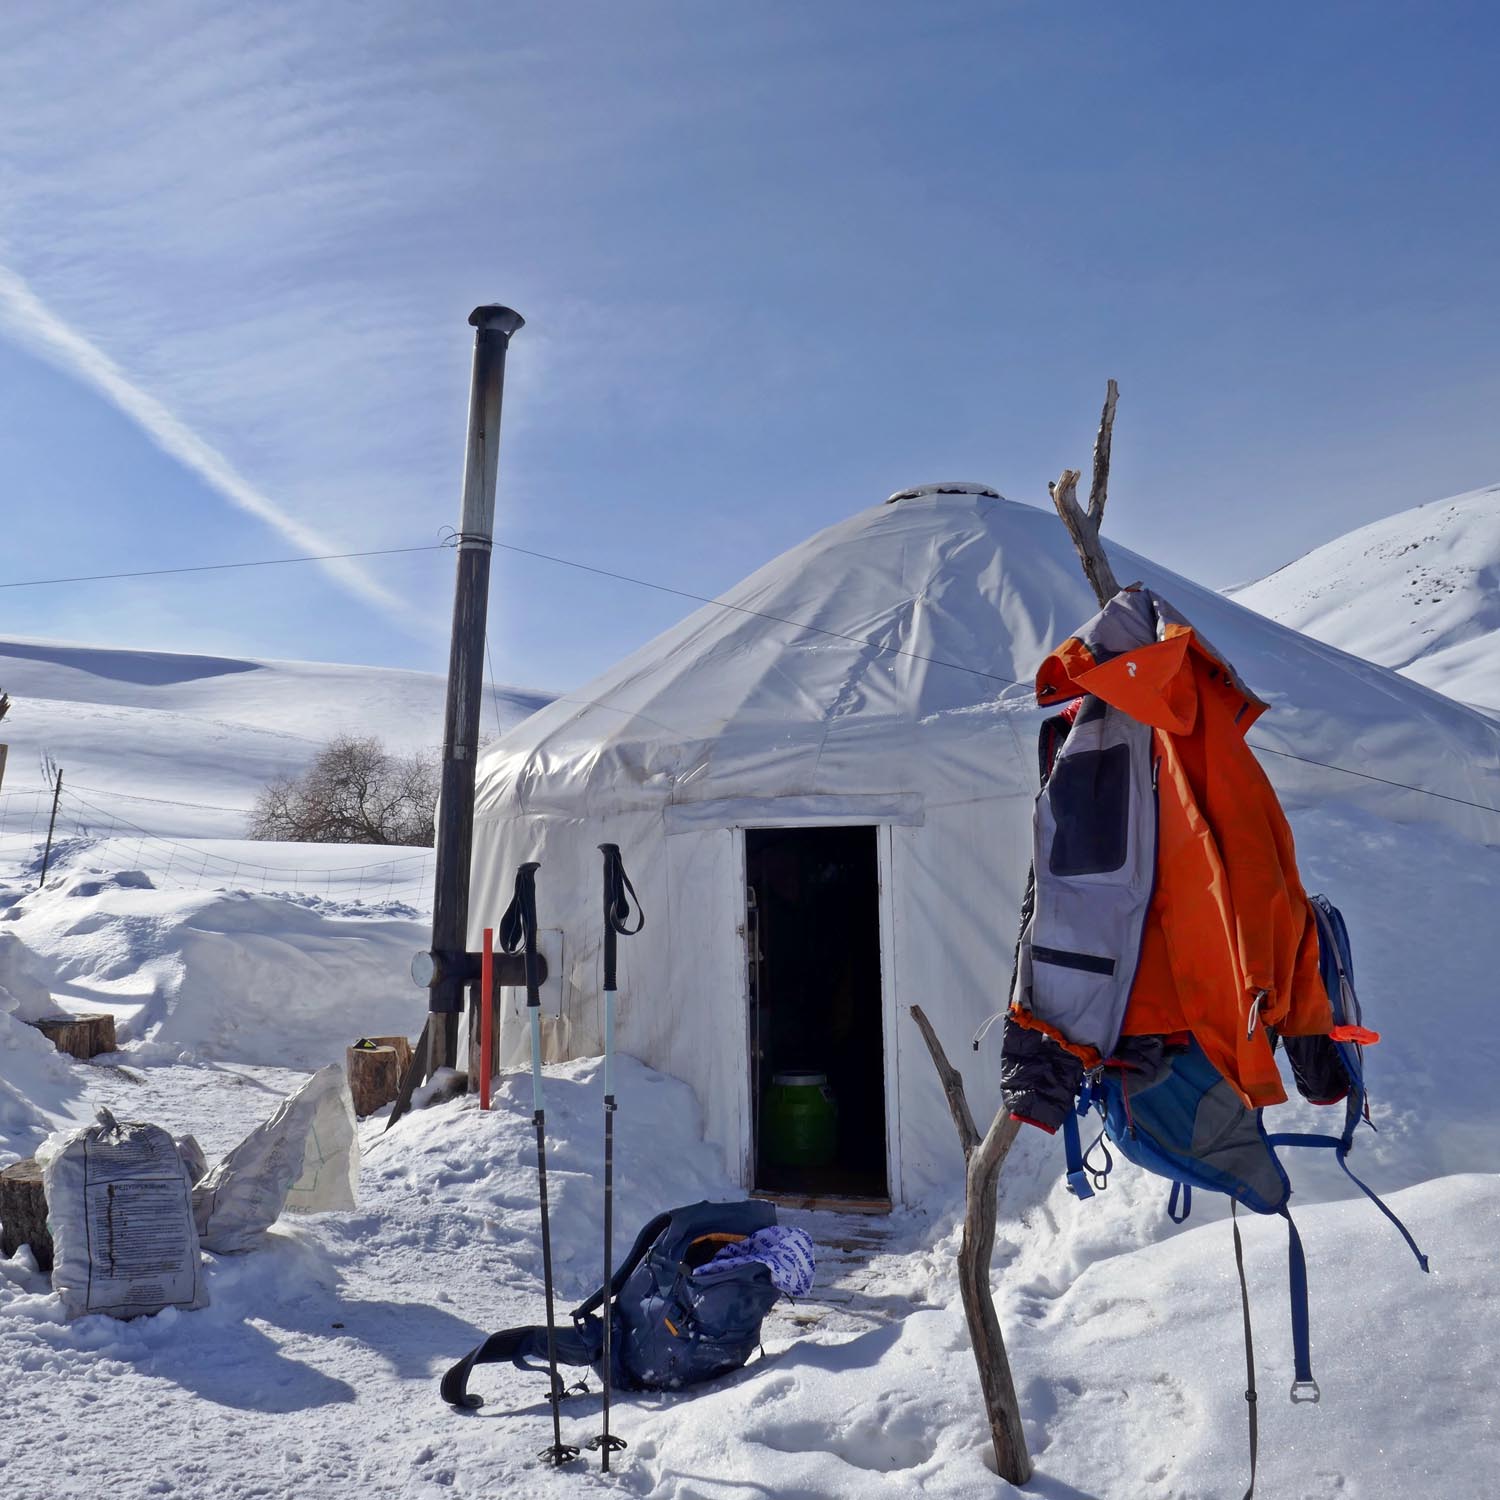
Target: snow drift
x=227 y=976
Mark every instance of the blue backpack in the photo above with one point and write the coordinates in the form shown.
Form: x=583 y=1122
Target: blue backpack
x=1166 y=1108
x=671 y=1328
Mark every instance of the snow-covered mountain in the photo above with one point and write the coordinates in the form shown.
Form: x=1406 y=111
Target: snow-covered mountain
x=1418 y=592
x=182 y=743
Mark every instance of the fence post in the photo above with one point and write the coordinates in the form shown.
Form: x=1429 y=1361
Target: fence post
x=51 y=824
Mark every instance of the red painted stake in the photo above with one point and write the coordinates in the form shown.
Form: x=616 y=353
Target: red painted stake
x=486 y=1016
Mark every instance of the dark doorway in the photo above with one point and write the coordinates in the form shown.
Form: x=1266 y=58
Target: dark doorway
x=817 y=1051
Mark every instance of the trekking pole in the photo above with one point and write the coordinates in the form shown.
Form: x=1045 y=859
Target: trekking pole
x=617 y=913
x=518 y=930
x=486 y=1015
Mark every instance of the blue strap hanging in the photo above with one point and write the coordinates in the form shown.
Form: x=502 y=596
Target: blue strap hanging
x=1181 y=1192
x=1078 y=1179
x=1334 y=1143
x=1304 y=1387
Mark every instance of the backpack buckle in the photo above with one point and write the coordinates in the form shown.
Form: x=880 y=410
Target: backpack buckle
x=1301 y=1390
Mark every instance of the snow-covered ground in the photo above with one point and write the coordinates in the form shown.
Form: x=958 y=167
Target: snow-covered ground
x=1418 y=592
x=314 y=1371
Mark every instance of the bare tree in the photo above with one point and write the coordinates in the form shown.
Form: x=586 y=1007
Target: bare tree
x=354 y=792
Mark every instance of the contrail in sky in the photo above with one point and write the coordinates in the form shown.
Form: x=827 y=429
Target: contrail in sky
x=32 y=322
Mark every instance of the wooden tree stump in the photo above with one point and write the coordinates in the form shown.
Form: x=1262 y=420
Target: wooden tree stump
x=79 y=1036
x=23 y=1212
x=375 y=1072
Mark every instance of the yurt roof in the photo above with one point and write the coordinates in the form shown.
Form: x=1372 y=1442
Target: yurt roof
x=891 y=656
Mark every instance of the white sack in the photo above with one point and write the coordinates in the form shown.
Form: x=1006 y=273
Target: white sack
x=119 y=1205
x=304 y=1159
x=194 y=1159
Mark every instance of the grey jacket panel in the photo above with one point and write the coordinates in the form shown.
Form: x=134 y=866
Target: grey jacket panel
x=1127 y=622
x=1095 y=861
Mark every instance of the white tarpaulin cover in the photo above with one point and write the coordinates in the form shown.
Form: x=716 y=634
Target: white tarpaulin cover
x=303 y=1159
x=900 y=696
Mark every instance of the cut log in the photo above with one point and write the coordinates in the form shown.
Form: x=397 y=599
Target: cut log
x=23 y=1213
x=375 y=1072
x=79 y=1036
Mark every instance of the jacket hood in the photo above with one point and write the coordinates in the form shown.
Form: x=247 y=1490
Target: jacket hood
x=1138 y=654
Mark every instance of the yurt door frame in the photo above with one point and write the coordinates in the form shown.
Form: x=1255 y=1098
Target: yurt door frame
x=883 y=915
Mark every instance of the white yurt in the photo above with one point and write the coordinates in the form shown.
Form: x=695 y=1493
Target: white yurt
x=822 y=789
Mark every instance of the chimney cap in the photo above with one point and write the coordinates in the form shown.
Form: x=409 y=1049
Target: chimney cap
x=492 y=316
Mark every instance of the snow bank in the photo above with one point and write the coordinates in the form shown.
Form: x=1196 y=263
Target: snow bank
x=39 y=1091
x=229 y=976
x=314 y=1371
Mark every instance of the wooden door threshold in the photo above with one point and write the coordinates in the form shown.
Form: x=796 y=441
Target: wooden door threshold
x=825 y=1204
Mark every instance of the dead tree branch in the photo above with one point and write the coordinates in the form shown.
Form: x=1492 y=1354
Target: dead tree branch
x=983 y=1158
x=1083 y=526
x=1100 y=487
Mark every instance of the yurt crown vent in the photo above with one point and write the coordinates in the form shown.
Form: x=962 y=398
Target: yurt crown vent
x=947 y=487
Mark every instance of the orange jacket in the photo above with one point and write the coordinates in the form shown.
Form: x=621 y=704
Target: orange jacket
x=1229 y=917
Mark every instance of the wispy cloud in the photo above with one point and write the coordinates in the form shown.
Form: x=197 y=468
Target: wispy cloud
x=27 y=319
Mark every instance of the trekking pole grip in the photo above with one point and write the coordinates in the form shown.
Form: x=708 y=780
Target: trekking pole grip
x=518 y=928
x=612 y=866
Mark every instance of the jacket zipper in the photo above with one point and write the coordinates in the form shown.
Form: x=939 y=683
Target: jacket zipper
x=1140 y=946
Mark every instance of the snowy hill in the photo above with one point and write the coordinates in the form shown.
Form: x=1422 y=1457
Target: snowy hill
x=1418 y=592
x=182 y=743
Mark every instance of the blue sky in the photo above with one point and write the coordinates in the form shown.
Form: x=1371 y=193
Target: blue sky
x=777 y=260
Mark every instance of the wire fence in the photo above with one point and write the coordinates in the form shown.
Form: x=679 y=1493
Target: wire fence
x=91 y=835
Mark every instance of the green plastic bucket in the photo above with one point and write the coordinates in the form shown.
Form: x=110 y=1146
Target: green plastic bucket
x=800 y=1121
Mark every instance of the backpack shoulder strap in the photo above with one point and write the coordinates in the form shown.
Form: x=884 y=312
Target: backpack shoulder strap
x=1340 y=1147
x=579 y=1345
x=634 y=1256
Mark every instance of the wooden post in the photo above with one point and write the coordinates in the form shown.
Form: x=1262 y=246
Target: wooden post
x=23 y=1213
x=983 y=1158
x=51 y=824
x=450 y=907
